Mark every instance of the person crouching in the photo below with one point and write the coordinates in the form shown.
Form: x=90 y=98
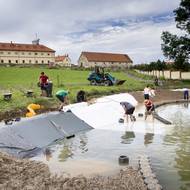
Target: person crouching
x=62 y=95
x=129 y=110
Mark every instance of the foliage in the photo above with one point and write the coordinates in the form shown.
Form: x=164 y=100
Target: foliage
x=157 y=65
x=176 y=47
x=183 y=16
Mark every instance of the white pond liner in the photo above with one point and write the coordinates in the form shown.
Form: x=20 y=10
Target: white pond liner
x=42 y=130
x=106 y=112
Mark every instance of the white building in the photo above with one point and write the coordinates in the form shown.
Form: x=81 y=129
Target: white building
x=15 y=53
x=63 y=60
x=92 y=59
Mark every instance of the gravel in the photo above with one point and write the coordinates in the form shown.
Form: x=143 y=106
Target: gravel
x=28 y=175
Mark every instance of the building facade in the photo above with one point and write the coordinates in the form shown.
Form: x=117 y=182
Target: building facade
x=63 y=61
x=111 y=60
x=14 y=53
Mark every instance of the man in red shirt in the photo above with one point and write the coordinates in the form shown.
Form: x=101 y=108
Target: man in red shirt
x=149 y=108
x=43 y=83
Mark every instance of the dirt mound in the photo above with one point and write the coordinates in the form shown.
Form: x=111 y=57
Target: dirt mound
x=29 y=175
x=21 y=113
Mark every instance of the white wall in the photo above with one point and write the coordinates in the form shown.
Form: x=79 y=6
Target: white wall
x=168 y=74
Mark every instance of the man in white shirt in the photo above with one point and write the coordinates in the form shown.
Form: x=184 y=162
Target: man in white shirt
x=146 y=92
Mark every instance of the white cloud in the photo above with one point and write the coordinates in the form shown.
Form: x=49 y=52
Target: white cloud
x=72 y=26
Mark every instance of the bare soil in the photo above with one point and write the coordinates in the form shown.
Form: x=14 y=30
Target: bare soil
x=21 y=113
x=29 y=175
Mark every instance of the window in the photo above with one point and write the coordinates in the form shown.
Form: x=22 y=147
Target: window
x=1 y=52
x=16 y=53
x=42 y=53
x=48 y=54
x=36 y=61
x=23 y=61
x=2 y=61
x=22 y=53
x=9 y=53
x=9 y=61
x=16 y=61
x=29 y=53
x=42 y=61
x=30 y=61
x=48 y=61
x=36 y=53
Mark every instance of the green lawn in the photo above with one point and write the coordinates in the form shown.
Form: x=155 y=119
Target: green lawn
x=19 y=80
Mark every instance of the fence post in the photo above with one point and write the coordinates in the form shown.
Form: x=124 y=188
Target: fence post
x=179 y=74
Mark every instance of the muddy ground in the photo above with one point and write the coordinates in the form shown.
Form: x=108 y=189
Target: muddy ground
x=12 y=114
x=29 y=175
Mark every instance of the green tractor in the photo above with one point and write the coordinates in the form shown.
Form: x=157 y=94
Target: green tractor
x=98 y=77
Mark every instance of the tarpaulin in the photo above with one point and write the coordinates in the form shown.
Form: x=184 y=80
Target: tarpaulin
x=40 y=131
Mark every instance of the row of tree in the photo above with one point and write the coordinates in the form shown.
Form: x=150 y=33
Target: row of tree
x=157 y=65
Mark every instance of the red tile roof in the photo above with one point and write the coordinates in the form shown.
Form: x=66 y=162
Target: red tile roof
x=24 y=47
x=169 y=62
x=107 y=57
x=60 y=58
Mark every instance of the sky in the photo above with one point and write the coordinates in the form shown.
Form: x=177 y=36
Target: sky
x=132 y=27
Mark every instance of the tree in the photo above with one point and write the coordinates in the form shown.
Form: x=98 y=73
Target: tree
x=183 y=16
x=178 y=47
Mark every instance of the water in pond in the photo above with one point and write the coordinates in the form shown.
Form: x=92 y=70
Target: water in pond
x=97 y=151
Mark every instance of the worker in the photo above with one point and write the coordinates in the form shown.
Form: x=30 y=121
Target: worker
x=186 y=93
x=43 y=81
x=149 y=108
x=81 y=96
x=62 y=95
x=129 y=110
x=156 y=81
x=146 y=92
x=31 y=108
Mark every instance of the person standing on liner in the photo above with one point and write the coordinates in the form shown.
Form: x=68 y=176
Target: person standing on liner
x=129 y=110
x=149 y=108
x=62 y=95
x=186 y=94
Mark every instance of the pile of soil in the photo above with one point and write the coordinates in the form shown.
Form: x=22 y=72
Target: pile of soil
x=21 y=113
x=26 y=174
